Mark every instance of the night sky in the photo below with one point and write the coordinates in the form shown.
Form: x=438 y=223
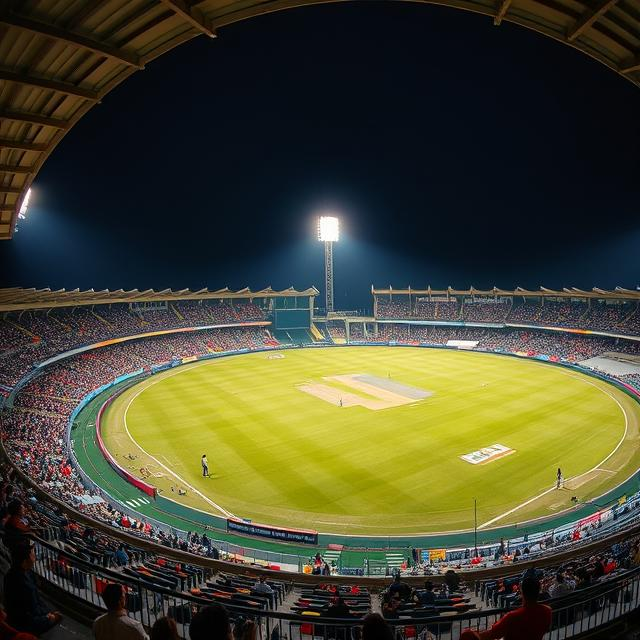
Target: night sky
x=454 y=152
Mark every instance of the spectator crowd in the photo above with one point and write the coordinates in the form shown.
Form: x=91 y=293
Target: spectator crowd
x=620 y=317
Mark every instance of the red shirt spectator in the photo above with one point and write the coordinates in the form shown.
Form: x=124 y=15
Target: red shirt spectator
x=530 y=622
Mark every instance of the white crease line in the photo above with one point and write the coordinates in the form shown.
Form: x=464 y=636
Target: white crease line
x=596 y=468
x=175 y=475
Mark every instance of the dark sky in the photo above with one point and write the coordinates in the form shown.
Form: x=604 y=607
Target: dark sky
x=455 y=152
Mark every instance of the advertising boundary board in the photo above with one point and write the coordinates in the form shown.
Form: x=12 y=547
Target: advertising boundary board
x=283 y=534
x=131 y=479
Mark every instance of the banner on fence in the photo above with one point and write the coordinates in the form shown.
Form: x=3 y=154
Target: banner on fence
x=275 y=533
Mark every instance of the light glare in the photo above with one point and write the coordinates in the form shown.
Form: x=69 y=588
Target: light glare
x=328 y=229
x=25 y=205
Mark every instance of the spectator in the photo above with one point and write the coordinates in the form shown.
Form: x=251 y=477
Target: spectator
x=262 y=587
x=17 y=522
x=426 y=598
x=338 y=609
x=374 y=627
x=561 y=586
x=402 y=589
x=390 y=605
x=122 y=557
x=244 y=629
x=26 y=611
x=211 y=623
x=9 y=633
x=164 y=629
x=530 y=622
x=116 y=623
x=452 y=580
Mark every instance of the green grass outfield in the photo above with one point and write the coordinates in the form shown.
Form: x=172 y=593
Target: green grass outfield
x=284 y=457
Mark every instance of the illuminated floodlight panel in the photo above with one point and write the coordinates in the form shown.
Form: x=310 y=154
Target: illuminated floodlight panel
x=328 y=229
x=25 y=205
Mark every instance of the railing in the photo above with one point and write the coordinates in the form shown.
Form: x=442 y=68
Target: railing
x=574 y=614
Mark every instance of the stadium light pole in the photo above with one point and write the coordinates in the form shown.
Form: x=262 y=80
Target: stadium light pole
x=328 y=232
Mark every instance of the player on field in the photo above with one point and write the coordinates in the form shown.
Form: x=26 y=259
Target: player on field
x=559 y=478
x=205 y=466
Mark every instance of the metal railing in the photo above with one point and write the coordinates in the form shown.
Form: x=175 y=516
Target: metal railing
x=149 y=598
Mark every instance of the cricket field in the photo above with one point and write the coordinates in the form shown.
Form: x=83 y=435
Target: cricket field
x=376 y=440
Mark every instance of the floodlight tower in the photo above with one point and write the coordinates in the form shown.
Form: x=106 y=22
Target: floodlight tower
x=328 y=232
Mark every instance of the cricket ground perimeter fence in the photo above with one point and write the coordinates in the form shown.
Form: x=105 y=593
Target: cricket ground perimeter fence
x=582 y=611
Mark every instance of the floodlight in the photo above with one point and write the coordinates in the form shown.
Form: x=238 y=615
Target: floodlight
x=328 y=229
x=22 y=214
x=328 y=232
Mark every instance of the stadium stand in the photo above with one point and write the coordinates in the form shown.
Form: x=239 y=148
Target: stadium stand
x=337 y=330
x=617 y=316
x=487 y=310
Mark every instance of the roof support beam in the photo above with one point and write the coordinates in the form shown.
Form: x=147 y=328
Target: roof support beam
x=588 y=18
x=193 y=16
x=631 y=65
x=51 y=31
x=24 y=146
x=15 y=190
x=502 y=11
x=53 y=85
x=7 y=207
x=7 y=168
x=34 y=118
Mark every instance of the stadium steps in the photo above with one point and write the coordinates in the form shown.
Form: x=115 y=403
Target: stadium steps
x=20 y=328
x=330 y=555
x=59 y=322
x=394 y=559
x=69 y=629
x=177 y=313
x=583 y=318
x=101 y=319
x=624 y=321
x=316 y=333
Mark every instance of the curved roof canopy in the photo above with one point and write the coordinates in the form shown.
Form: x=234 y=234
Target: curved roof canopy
x=58 y=58
x=623 y=295
x=19 y=299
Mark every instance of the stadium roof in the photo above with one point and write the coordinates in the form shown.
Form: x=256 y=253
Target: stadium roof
x=58 y=58
x=600 y=294
x=18 y=299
